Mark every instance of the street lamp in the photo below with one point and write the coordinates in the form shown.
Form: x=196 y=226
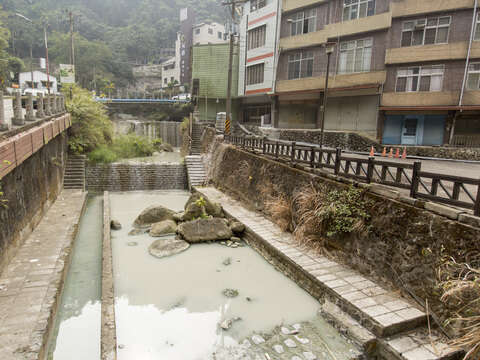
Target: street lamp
x=329 y=49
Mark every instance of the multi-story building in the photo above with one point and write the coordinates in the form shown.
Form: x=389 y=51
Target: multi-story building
x=396 y=74
x=259 y=30
x=209 y=33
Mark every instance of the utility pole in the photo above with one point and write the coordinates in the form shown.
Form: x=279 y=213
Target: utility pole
x=31 y=64
x=46 y=57
x=72 y=46
x=229 y=124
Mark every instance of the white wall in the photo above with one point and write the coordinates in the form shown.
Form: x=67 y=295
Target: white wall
x=269 y=16
x=205 y=38
x=38 y=77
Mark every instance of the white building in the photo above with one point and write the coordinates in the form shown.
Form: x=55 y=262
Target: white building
x=209 y=33
x=259 y=36
x=39 y=83
x=170 y=72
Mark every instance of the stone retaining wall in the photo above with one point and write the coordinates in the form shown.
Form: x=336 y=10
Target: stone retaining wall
x=405 y=244
x=130 y=177
x=29 y=190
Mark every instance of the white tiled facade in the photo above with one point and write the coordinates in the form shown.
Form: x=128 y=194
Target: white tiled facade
x=212 y=33
x=268 y=16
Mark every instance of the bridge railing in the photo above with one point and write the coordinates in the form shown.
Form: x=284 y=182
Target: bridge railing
x=448 y=189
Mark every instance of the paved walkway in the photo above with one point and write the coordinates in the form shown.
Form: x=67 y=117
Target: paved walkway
x=30 y=284
x=381 y=311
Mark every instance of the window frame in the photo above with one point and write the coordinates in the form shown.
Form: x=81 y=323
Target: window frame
x=425 y=28
x=301 y=18
x=350 y=4
x=356 y=49
x=251 y=78
x=255 y=40
x=197 y=31
x=259 y=4
x=473 y=72
x=302 y=58
x=476 y=37
x=419 y=77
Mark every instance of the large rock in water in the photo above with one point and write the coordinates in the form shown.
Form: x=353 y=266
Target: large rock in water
x=167 y=247
x=194 y=210
x=205 y=230
x=163 y=228
x=152 y=215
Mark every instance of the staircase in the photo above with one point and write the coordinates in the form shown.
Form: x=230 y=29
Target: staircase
x=197 y=175
x=196 y=146
x=74 y=177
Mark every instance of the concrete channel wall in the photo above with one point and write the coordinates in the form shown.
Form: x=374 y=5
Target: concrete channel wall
x=31 y=177
x=405 y=245
x=130 y=177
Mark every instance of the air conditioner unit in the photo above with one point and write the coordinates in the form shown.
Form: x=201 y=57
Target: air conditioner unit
x=420 y=24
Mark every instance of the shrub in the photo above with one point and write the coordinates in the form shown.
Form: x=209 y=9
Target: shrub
x=102 y=154
x=123 y=147
x=280 y=210
x=91 y=126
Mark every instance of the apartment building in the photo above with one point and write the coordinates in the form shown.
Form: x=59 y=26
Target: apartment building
x=396 y=74
x=209 y=33
x=259 y=32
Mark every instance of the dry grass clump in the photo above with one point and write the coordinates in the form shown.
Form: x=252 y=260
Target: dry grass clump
x=280 y=210
x=460 y=283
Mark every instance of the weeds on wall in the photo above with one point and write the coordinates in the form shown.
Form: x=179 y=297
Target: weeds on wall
x=460 y=286
x=3 y=201
x=322 y=214
x=125 y=147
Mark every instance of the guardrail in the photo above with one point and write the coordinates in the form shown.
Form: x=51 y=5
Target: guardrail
x=452 y=190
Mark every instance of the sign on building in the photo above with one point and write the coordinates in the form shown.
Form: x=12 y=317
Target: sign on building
x=67 y=74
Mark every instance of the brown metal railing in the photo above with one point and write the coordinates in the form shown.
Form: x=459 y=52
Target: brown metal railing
x=453 y=190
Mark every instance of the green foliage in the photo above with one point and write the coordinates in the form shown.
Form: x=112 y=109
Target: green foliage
x=91 y=127
x=3 y=202
x=123 y=147
x=344 y=211
x=185 y=125
x=8 y=63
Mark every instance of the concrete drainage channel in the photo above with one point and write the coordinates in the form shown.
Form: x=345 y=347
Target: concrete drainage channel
x=174 y=307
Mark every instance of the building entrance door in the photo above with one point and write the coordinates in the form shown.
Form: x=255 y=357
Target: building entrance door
x=410 y=131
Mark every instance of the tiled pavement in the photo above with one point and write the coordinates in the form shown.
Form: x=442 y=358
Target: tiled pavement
x=385 y=313
x=29 y=285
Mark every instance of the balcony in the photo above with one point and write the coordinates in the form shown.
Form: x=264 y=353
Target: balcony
x=335 y=30
x=441 y=52
x=335 y=82
x=289 y=5
x=416 y=7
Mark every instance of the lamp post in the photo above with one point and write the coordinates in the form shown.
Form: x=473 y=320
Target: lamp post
x=329 y=48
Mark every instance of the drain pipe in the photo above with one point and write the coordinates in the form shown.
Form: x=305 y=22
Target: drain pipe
x=465 y=74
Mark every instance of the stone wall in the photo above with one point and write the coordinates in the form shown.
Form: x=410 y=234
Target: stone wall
x=130 y=177
x=404 y=246
x=30 y=189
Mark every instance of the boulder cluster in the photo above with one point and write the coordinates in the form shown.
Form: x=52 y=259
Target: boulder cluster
x=201 y=221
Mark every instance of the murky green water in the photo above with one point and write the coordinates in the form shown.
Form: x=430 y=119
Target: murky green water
x=171 y=308
x=76 y=335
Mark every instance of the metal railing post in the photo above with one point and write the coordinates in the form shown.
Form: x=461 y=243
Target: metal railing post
x=417 y=166
x=476 y=208
x=264 y=145
x=292 y=154
x=371 y=164
x=312 y=157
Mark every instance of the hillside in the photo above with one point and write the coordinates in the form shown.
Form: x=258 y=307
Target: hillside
x=111 y=35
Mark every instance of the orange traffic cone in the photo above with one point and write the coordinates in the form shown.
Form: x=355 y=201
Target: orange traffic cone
x=384 y=152
x=372 y=152
x=404 y=155
x=397 y=154
x=390 y=155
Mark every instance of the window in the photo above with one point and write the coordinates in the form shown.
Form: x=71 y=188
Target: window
x=426 y=31
x=256 y=37
x=197 y=31
x=477 y=28
x=354 y=9
x=220 y=35
x=355 y=56
x=210 y=31
x=165 y=81
x=304 y=22
x=300 y=65
x=253 y=114
x=420 y=78
x=257 y=4
x=473 y=82
x=172 y=79
x=255 y=74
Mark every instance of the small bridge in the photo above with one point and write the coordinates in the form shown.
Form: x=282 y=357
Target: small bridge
x=141 y=101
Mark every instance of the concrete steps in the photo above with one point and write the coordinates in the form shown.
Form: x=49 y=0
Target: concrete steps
x=197 y=174
x=74 y=176
x=196 y=146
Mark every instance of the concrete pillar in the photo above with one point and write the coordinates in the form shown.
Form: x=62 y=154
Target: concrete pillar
x=17 y=110
x=53 y=104
x=40 y=112
x=3 y=122
x=30 y=116
x=62 y=103
x=48 y=109
x=275 y=112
